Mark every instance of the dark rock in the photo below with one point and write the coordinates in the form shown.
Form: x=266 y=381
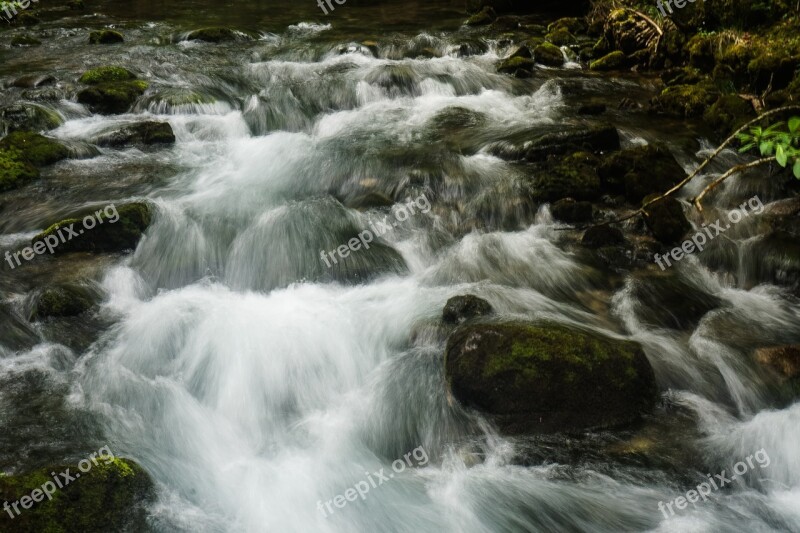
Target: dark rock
x=214 y=35
x=25 y=40
x=60 y=301
x=666 y=300
x=521 y=67
x=107 y=235
x=28 y=117
x=548 y=54
x=666 y=221
x=640 y=171
x=592 y=109
x=534 y=145
x=728 y=113
x=370 y=200
x=785 y=360
x=546 y=377
x=571 y=211
x=459 y=309
x=574 y=176
x=614 y=61
x=602 y=236
x=105 y=37
x=146 y=133
x=34 y=81
x=685 y=100
x=560 y=37
x=482 y=18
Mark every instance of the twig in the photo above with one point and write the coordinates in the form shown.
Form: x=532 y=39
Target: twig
x=738 y=168
x=648 y=19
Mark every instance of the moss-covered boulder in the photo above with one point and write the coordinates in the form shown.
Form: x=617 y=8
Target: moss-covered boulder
x=15 y=170
x=614 y=61
x=147 y=133
x=624 y=30
x=640 y=171
x=548 y=54
x=665 y=220
x=729 y=113
x=105 y=37
x=571 y=24
x=571 y=211
x=459 y=309
x=560 y=37
x=521 y=67
x=574 y=176
x=682 y=76
x=214 y=35
x=60 y=301
x=482 y=18
x=685 y=100
x=109 y=74
x=112 y=89
x=111 y=494
x=28 y=117
x=37 y=149
x=546 y=377
x=111 y=233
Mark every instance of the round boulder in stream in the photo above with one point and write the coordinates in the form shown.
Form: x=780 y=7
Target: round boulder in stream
x=546 y=377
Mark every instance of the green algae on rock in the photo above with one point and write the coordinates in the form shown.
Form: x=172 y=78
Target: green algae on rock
x=640 y=171
x=112 y=89
x=547 y=377
x=548 y=54
x=60 y=301
x=613 y=61
x=575 y=176
x=34 y=148
x=107 y=74
x=15 y=169
x=105 y=37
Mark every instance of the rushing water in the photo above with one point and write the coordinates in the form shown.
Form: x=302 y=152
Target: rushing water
x=252 y=382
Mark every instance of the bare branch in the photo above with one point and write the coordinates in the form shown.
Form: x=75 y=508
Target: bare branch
x=738 y=168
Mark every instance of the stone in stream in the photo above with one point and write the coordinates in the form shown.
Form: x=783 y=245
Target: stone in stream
x=33 y=81
x=668 y=300
x=640 y=171
x=665 y=220
x=602 y=237
x=483 y=17
x=28 y=117
x=613 y=61
x=217 y=35
x=572 y=211
x=109 y=236
x=537 y=145
x=548 y=54
x=147 y=133
x=105 y=37
x=574 y=176
x=112 y=89
x=21 y=152
x=785 y=360
x=459 y=309
x=111 y=494
x=547 y=377
x=60 y=301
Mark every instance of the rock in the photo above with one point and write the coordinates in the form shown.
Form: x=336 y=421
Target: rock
x=215 y=35
x=778 y=254
x=666 y=221
x=685 y=100
x=570 y=24
x=535 y=145
x=640 y=171
x=459 y=309
x=146 y=133
x=76 y=5
x=34 y=148
x=110 y=496
x=106 y=236
x=666 y=300
x=682 y=76
x=370 y=200
x=592 y=109
x=25 y=40
x=728 y=113
x=28 y=117
x=560 y=37
x=571 y=211
x=97 y=76
x=482 y=18
x=624 y=31
x=113 y=89
x=602 y=236
x=548 y=54
x=521 y=67
x=574 y=176
x=546 y=377
x=26 y=18
x=60 y=301
x=785 y=360
x=34 y=81
x=105 y=37
x=614 y=61
x=15 y=170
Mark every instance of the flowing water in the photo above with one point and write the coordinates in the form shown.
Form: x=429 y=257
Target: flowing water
x=253 y=382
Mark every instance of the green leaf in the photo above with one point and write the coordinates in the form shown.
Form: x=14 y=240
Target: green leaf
x=766 y=147
x=796 y=169
x=780 y=156
x=747 y=147
x=794 y=124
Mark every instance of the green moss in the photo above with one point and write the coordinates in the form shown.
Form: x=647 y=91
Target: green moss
x=548 y=54
x=105 y=75
x=35 y=148
x=61 y=301
x=560 y=37
x=685 y=100
x=728 y=113
x=519 y=66
x=571 y=24
x=483 y=17
x=112 y=97
x=14 y=169
x=614 y=61
x=574 y=176
x=105 y=37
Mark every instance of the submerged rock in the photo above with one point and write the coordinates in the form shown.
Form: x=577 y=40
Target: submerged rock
x=147 y=133
x=370 y=200
x=546 y=377
x=28 y=117
x=60 y=301
x=110 y=496
x=459 y=309
x=113 y=89
x=105 y=37
x=119 y=236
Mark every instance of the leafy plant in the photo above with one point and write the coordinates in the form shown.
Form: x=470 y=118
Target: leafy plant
x=780 y=140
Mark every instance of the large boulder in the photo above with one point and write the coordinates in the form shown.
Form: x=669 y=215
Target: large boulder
x=640 y=171
x=110 y=234
x=146 y=133
x=112 y=89
x=111 y=494
x=546 y=377
x=548 y=54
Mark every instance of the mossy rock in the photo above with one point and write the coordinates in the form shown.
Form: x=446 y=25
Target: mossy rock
x=575 y=176
x=665 y=220
x=147 y=133
x=105 y=37
x=571 y=24
x=560 y=37
x=111 y=495
x=460 y=309
x=15 y=170
x=701 y=49
x=106 y=236
x=572 y=211
x=537 y=146
x=682 y=76
x=112 y=97
x=215 y=35
x=685 y=100
x=97 y=76
x=61 y=301
x=28 y=117
x=25 y=40
x=547 y=377
x=27 y=18
x=36 y=149
x=520 y=67
x=728 y=113
x=614 y=61
x=548 y=54
x=482 y=18
x=640 y=171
